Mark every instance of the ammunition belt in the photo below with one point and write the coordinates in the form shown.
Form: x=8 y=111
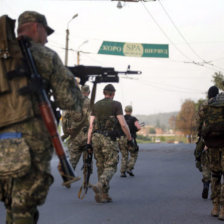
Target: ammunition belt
x=107 y=133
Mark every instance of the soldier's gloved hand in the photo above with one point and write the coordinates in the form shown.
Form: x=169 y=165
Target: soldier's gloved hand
x=131 y=143
x=198 y=165
x=136 y=148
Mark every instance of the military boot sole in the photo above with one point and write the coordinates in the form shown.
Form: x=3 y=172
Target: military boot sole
x=100 y=199
x=214 y=213
x=221 y=218
x=130 y=173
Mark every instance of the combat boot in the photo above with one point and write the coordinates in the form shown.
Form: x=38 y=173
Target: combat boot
x=123 y=174
x=98 y=192
x=130 y=173
x=205 y=190
x=215 y=210
x=221 y=213
x=97 y=188
x=106 y=197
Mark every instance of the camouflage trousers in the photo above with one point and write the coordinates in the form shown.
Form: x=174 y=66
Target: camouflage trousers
x=128 y=158
x=75 y=146
x=216 y=156
x=21 y=196
x=106 y=154
x=205 y=163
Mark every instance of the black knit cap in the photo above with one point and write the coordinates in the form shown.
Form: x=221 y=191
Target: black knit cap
x=109 y=87
x=212 y=91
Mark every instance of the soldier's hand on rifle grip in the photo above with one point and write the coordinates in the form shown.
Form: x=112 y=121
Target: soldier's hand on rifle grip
x=131 y=143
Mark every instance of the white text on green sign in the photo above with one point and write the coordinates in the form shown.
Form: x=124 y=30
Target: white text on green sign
x=134 y=49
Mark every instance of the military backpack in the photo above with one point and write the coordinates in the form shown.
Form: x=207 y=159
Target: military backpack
x=15 y=158
x=213 y=126
x=13 y=78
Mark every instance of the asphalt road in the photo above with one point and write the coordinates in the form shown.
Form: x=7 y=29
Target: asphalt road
x=166 y=189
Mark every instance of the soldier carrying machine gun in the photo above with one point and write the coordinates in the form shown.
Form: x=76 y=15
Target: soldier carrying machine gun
x=95 y=74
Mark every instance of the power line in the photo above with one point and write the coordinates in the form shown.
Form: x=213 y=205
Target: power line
x=170 y=88
x=164 y=33
x=195 y=53
x=181 y=52
x=177 y=29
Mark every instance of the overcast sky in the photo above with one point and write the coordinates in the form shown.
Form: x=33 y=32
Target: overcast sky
x=193 y=29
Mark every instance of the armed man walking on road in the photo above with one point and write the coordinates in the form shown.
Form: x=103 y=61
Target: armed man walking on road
x=75 y=126
x=25 y=144
x=106 y=121
x=213 y=135
x=201 y=152
x=128 y=160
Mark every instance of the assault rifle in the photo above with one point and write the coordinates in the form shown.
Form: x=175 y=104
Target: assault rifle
x=46 y=110
x=87 y=170
x=99 y=74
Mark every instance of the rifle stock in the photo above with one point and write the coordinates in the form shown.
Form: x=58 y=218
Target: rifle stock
x=46 y=112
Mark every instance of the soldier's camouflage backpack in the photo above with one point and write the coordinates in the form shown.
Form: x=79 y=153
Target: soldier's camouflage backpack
x=16 y=107
x=213 y=127
x=15 y=160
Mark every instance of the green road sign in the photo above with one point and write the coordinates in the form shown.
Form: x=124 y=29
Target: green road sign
x=134 y=49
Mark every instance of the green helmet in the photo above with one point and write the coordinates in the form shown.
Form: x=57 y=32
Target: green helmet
x=85 y=89
x=128 y=108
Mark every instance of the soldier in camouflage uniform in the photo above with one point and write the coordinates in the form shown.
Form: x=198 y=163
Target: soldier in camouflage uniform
x=21 y=196
x=75 y=126
x=216 y=158
x=128 y=160
x=201 y=152
x=105 y=122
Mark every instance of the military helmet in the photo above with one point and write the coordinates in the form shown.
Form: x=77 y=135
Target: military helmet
x=128 y=108
x=85 y=89
x=32 y=16
x=110 y=88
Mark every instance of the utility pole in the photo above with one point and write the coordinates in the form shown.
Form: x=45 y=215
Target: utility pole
x=78 y=57
x=67 y=39
x=78 y=51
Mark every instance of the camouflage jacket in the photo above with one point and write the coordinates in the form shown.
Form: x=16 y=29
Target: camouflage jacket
x=73 y=121
x=60 y=81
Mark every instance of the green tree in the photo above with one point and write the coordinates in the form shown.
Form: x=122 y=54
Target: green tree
x=186 y=119
x=218 y=80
